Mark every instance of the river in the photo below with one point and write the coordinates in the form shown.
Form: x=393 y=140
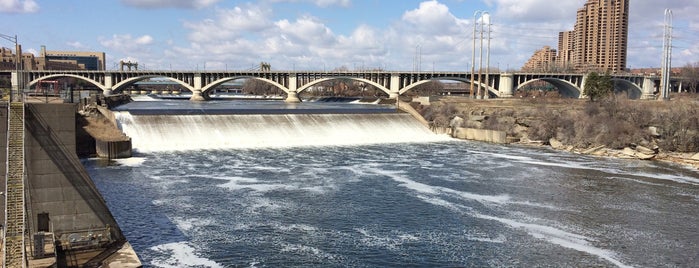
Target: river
x=422 y=201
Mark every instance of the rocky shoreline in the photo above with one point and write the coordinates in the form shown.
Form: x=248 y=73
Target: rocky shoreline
x=620 y=128
x=638 y=153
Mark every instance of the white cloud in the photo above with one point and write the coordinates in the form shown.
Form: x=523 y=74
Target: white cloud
x=18 y=6
x=230 y=23
x=535 y=10
x=307 y=30
x=127 y=44
x=320 y=3
x=432 y=16
x=77 y=45
x=169 y=3
x=327 y=3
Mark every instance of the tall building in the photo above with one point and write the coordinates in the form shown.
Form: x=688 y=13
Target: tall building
x=543 y=60
x=600 y=38
x=565 y=50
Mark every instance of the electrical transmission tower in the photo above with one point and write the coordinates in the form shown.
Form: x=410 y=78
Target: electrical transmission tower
x=666 y=66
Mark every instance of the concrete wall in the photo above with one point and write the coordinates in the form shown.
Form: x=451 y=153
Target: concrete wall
x=486 y=135
x=58 y=183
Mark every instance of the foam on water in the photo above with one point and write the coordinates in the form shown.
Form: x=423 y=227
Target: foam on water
x=131 y=162
x=151 y=133
x=433 y=190
x=181 y=254
x=559 y=237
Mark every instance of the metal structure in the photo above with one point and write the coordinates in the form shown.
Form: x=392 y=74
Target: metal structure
x=15 y=209
x=14 y=238
x=666 y=65
x=476 y=21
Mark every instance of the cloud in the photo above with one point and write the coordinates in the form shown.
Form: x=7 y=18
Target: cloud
x=535 y=10
x=328 y=3
x=230 y=23
x=77 y=45
x=18 y=6
x=320 y=3
x=431 y=17
x=197 y=4
x=127 y=44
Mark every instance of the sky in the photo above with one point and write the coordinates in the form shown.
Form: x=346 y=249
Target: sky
x=394 y=35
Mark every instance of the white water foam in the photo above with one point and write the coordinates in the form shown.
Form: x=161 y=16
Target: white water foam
x=131 y=162
x=547 y=233
x=181 y=254
x=151 y=133
x=559 y=237
x=392 y=242
x=434 y=190
x=188 y=224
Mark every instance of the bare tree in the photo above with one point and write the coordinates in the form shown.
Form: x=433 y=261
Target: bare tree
x=690 y=76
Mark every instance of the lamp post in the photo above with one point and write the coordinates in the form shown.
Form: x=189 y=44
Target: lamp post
x=17 y=61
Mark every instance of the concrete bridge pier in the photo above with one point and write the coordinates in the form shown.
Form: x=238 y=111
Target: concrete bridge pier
x=107 y=92
x=292 y=95
x=506 y=85
x=197 y=96
x=648 y=89
x=394 y=91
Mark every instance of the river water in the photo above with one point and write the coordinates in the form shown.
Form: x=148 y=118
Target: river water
x=421 y=201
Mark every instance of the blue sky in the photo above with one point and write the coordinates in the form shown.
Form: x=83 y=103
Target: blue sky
x=325 y=34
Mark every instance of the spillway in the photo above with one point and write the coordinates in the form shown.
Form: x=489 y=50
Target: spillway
x=151 y=133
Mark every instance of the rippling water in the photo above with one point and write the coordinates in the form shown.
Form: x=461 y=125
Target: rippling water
x=432 y=204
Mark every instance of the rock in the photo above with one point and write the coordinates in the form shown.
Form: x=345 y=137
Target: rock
x=695 y=157
x=633 y=153
x=653 y=131
x=456 y=122
x=645 y=150
x=477 y=118
x=643 y=156
x=628 y=152
x=555 y=144
x=594 y=150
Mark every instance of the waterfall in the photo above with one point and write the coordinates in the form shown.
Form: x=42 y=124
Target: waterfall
x=241 y=131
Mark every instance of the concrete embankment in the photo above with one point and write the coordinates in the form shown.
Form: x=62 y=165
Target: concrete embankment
x=63 y=205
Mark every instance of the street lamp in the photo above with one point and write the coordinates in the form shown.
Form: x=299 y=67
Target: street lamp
x=17 y=61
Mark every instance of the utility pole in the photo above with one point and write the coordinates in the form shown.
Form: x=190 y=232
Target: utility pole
x=666 y=66
x=473 y=51
x=487 y=64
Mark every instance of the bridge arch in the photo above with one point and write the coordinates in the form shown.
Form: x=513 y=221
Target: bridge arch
x=93 y=82
x=123 y=84
x=219 y=82
x=566 y=88
x=318 y=81
x=491 y=90
x=632 y=90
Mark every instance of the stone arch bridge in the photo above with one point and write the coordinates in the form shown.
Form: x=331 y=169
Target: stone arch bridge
x=502 y=85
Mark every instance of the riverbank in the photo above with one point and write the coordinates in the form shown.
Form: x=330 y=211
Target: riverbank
x=648 y=130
